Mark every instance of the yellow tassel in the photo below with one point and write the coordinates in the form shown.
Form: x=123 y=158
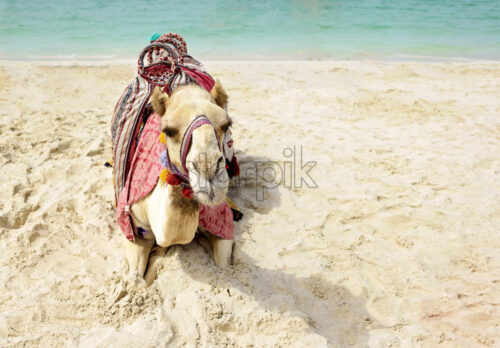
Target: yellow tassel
x=162 y=138
x=231 y=204
x=163 y=175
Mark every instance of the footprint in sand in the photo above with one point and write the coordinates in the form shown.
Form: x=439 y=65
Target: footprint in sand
x=15 y=218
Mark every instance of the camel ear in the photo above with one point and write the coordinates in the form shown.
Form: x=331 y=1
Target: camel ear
x=159 y=101
x=219 y=94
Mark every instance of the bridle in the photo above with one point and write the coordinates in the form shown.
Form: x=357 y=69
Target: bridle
x=183 y=173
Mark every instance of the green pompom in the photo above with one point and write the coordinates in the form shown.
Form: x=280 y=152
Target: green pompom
x=154 y=37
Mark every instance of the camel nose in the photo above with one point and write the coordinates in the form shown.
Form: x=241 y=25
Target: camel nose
x=209 y=166
x=217 y=169
x=209 y=174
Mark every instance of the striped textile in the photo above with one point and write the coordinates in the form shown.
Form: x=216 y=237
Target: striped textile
x=143 y=177
x=164 y=63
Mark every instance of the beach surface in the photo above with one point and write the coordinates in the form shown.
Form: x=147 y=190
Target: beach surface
x=396 y=246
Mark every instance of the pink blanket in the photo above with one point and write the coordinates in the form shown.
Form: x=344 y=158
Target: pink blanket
x=143 y=176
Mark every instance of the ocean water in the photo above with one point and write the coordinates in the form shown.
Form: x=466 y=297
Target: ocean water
x=253 y=29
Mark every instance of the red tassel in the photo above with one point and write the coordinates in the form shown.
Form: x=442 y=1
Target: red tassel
x=173 y=180
x=234 y=168
x=187 y=192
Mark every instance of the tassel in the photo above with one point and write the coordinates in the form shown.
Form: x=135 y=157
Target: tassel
x=236 y=166
x=162 y=138
x=173 y=180
x=187 y=192
x=233 y=169
x=109 y=163
x=164 y=174
x=237 y=214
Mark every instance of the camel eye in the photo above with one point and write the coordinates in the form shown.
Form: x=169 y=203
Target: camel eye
x=171 y=132
x=225 y=126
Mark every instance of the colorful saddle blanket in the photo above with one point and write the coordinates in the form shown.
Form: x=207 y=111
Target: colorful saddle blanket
x=135 y=130
x=143 y=177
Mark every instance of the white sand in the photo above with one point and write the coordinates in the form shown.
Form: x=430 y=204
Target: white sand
x=399 y=245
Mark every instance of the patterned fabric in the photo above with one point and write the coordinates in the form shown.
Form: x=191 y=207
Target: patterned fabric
x=134 y=132
x=143 y=177
x=125 y=122
x=227 y=144
x=218 y=220
x=163 y=63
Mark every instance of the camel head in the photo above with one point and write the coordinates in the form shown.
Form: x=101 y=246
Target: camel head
x=205 y=162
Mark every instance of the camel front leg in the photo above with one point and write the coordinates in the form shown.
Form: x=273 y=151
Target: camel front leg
x=223 y=250
x=220 y=249
x=137 y=254
x=157 y=254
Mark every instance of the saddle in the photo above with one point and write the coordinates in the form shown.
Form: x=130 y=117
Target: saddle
x=166 y=64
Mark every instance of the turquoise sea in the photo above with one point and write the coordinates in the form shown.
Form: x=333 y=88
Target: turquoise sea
x=253 y=29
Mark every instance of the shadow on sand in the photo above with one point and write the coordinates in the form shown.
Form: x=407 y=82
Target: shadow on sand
x=331 y=311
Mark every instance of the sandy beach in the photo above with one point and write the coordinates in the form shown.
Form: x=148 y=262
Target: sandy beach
x=397 y=246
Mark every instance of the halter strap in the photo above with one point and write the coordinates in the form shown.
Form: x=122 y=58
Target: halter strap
x=199 y=121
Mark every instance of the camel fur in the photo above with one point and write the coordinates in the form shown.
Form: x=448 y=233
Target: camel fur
x=171 y=217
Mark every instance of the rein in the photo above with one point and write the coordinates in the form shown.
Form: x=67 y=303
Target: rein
x=181 y=175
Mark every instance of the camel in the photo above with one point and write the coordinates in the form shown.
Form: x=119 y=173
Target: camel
x=171 y=217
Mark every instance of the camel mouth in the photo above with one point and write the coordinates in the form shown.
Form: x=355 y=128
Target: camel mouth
x=209 y=180
x=209 y=199
x=210 y=192
x=210 y=196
